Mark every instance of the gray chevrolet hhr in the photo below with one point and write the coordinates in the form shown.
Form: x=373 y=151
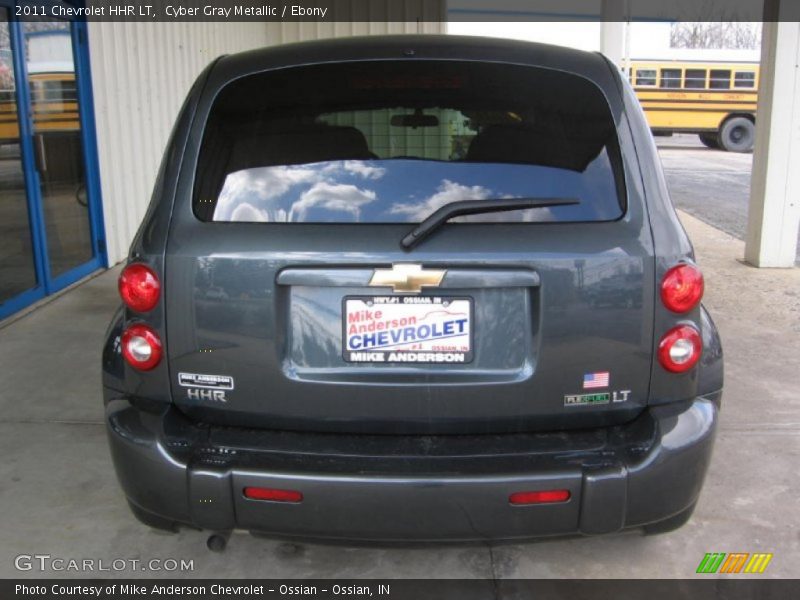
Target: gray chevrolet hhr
x=411 y=288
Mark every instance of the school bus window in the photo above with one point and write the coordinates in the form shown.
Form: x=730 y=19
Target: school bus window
x=720 y=79
x=59 y=91
x=744 y=79
x=35 y=91
x=53 y=90
x=646 y=77
x=670 y=78
x=695 y=79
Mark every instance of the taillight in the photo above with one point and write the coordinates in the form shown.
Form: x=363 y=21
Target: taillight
x=682 y=288
x=139 y=287
x=141 y=346
x=680 y=349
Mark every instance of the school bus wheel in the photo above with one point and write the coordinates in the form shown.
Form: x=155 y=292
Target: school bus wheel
x=737 y=134
x=710 y=140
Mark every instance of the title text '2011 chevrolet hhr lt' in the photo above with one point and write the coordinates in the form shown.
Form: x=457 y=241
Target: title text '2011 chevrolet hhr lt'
x=412 y=288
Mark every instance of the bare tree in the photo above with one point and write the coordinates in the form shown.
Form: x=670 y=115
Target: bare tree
x=704 y=34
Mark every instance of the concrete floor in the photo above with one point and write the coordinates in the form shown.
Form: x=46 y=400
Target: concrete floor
x=59 y=495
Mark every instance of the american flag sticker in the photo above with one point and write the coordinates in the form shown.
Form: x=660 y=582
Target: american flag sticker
x=595 y=380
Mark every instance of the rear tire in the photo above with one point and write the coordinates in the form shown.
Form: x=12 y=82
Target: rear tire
x=217 y=542
x=710 y=140
x=671 y=524
x=737 y=135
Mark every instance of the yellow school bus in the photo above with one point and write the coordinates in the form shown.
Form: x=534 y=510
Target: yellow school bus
x=54 y=102
x=716 y=100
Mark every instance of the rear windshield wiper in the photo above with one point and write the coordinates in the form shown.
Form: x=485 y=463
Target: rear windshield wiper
x=476 y=207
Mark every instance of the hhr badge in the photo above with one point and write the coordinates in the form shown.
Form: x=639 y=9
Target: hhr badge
x=407 y=278
x=206 y=395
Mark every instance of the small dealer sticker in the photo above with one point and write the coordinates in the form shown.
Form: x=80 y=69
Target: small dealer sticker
x=407 y=329
x=211 y=382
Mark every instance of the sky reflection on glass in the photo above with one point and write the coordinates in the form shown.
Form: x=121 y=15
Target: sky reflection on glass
x=406 y=190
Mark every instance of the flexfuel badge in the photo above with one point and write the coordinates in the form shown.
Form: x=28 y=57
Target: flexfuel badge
x=587 y=399
x=596 y=398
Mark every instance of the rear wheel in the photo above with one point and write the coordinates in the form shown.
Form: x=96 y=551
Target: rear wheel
x=737 y=135
x=710 y=140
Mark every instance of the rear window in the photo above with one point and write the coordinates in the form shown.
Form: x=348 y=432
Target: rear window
x=392 y=141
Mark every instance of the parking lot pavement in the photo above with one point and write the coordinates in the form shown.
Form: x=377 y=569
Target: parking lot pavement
x=712 y=185
x=60 y=497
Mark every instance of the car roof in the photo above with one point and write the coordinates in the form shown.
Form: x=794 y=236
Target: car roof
x=590 y=65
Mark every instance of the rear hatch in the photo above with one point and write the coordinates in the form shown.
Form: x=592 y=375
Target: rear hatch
x=292 y=304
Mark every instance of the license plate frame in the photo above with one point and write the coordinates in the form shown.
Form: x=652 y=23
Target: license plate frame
x=436 y=347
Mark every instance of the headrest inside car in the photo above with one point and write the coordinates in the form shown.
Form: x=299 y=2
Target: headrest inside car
x=548 y=143
x=299 y=146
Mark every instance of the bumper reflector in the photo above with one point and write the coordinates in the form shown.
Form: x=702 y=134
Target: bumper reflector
x=542 y=497
x=273 y=495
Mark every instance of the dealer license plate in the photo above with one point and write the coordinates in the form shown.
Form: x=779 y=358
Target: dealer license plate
x=407 y=329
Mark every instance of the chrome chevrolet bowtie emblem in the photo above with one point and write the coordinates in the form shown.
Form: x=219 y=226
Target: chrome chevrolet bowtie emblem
x=407 y=278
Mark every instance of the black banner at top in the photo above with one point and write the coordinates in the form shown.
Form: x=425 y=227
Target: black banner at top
x=322 y=11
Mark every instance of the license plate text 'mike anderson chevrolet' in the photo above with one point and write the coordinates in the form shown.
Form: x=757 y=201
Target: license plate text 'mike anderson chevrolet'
x=407 y=329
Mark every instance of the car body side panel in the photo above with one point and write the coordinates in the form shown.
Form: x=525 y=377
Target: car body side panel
x=672 y=246
x=148 y=247
x=712 y=373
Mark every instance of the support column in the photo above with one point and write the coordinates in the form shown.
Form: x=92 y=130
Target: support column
x=774 y=214
x=612 y=30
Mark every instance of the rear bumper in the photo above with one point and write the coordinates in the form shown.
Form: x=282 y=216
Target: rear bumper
x=448 y=488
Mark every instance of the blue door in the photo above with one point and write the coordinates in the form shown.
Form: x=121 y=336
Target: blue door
x=51 y=231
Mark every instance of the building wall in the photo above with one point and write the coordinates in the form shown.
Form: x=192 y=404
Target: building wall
x=285 y=33
x=141 y=73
